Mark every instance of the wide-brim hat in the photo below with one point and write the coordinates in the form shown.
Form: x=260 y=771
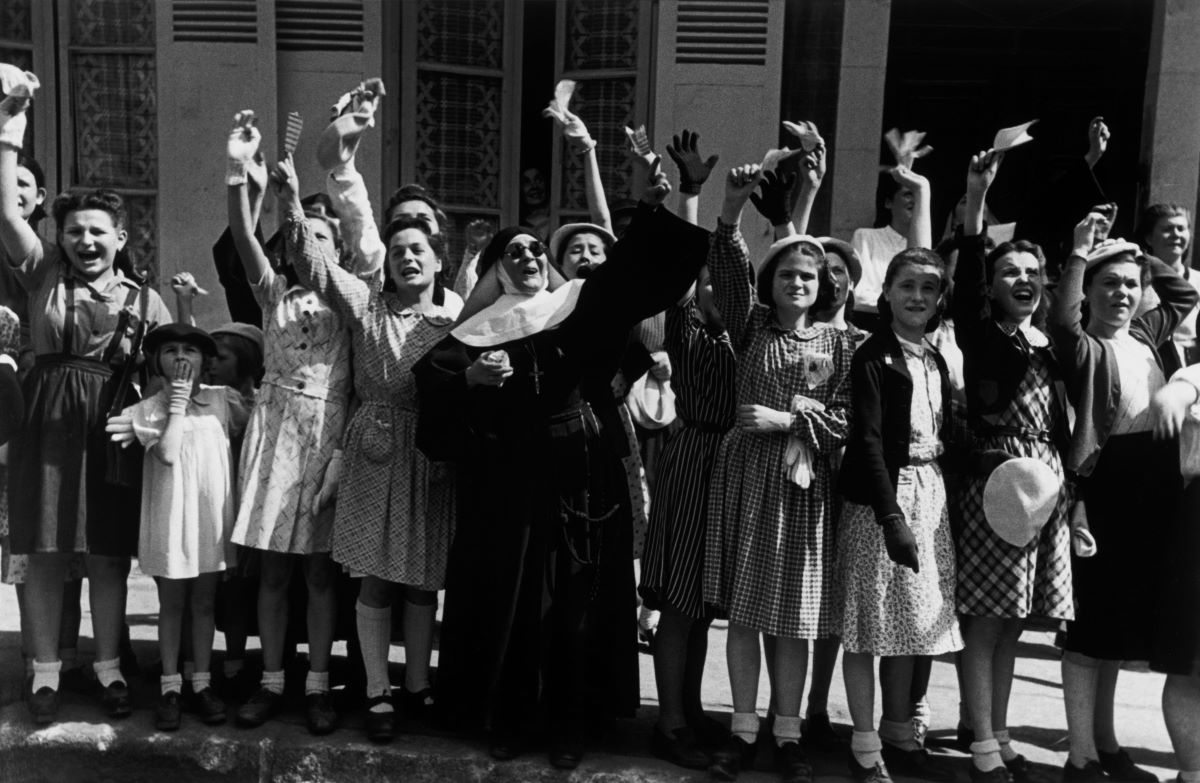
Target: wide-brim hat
x=1019 y=497
x=780 y=246
x=340 y=138
x=179 y=332
x=1109 y=248
x=847 y=253
x=651 y=402
x=560 y=237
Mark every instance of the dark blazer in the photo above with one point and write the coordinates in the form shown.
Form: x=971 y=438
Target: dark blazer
x=882 y=390
x=994 y=361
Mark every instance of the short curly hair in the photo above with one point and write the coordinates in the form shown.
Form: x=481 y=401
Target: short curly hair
x=77 y=199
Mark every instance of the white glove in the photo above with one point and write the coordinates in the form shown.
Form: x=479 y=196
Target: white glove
x=180 y=388
x=329 y=483
x=573 y=129
x=120 y=430
x=799 y=462
x=244 y=139
x=18 y=87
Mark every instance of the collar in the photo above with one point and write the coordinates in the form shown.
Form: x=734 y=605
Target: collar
x=512 y=316
x=107 y=291
x=909 y=347
x=1034 y=336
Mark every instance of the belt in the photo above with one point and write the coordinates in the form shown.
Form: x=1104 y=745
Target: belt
x=1024 y=433
x=76 y=362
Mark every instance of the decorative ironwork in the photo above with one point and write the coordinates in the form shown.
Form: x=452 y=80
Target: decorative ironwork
x=112 y=22
x=15 y=20
x=143 y=235
x=606 y=106
x=458 y=137
x=451 y=32
x=601 y=34
x=114 y=110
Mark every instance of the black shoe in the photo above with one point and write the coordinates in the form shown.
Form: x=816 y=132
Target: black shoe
x=678 y=747
x=1118 y=766
x=117 y=700
x=259 y=708
x=381 y=726
x=998 y=775
x=731 y=758
x=1090 y=772
x=43 y=705
x=319 y=713
x=916 y=763
x=503 y=746
x=792 y=764
x=817 y=733
x=417 y=705
x=169 y=711
x=1021 y=771
x=209 y=707
x=874 y=774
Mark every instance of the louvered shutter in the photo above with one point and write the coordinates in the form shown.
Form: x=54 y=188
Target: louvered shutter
x=215 y=57
x=321 y=51
x=718 y=69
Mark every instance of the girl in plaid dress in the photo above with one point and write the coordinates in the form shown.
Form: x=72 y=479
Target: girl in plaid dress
x=769 y=561
x=1015 y=410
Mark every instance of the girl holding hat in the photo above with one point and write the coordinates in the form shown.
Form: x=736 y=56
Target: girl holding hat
x=528 y=620
x=291 y=452
x=769 y=545
x=1005 y=573
x=395 y=510
x=1112 y=369
x=187 y=505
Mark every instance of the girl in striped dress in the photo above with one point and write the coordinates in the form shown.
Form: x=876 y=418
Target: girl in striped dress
x=703 y=365
x=769 y=547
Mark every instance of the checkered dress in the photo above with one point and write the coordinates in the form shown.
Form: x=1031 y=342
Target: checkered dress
x=995 y=578
x=770 y=544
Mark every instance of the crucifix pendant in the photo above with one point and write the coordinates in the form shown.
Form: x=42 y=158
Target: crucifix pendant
x=536 y=374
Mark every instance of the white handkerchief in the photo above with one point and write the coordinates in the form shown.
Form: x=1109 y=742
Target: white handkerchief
x=1007 y=138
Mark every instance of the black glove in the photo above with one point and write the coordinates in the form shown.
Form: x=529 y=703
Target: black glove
x=693 y=170
x=901 y=545
x=775 y=203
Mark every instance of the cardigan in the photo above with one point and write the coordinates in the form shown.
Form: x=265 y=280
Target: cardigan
x=994 y=361
x=881 y=424
x=1093 y=383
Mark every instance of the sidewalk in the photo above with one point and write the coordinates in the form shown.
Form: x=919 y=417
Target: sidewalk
x=83 y=748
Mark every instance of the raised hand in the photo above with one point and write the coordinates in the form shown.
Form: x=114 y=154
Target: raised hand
x=775 y=201
x=573 y=129
x=907 y=147
x=693 y=169
x=1098 y=136
x=1085 y=234
x=908 y=178
x=287 y=184
x=981 y=171
x=812 y=167
x=658 y=187
x=244 y=138
x=184 y=284
x=18 y=87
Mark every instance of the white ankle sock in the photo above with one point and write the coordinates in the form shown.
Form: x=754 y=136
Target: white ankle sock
x=45 y=675
x=171 y=683
x=786 y=729
x=374 y=638
x=316 y=682
x=744 y=726
x=898 y=733
x=1006 y=751
x=866 y=747
x=985 y=755
x=273 y=682
x=199 y=680
x=108 y=672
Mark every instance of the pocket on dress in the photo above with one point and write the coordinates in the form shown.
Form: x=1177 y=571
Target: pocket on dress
x=377 y=438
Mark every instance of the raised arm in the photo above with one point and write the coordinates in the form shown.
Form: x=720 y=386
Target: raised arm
x=186 y=289
x=970 y=304
x=1176 y=299
x=243 y=145
x=346 y=293
x=694 y=171
x=773 y=201
x=920 y=230
x=348 y=192
x=728 y=256
x=18 y=239
x=1065 y=323
x=580 y=142
x=812 y=172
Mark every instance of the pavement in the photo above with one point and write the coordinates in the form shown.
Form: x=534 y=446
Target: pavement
x=84 y=748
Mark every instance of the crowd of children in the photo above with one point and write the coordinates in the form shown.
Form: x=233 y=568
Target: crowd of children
x=901 y=450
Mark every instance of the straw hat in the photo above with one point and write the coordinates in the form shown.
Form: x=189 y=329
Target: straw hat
x=1019 y=497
